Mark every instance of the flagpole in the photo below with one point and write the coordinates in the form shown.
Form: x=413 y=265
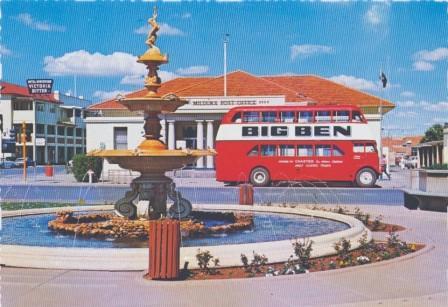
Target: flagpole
x=226 y=40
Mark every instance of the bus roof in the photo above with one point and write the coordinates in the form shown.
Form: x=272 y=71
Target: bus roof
x=294 y=108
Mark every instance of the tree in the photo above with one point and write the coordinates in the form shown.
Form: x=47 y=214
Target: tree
x=434 y=133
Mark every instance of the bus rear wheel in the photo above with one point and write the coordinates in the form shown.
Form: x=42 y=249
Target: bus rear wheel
x=259 y=177
x=366 y=178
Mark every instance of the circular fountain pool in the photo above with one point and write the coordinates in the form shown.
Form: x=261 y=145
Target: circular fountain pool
x=32 y=230
x=27 y=241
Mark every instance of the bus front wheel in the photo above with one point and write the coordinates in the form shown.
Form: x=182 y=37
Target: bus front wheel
x=366 y=178
x=259 y=177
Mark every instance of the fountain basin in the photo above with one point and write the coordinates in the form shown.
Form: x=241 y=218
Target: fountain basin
x=136 y=258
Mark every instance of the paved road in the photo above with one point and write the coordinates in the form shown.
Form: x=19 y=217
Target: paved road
x=416 y=281
x=224 y=195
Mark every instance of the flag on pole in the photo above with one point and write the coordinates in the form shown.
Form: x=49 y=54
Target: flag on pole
x=383 y=79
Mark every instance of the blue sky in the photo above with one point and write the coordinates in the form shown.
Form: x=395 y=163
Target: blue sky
x=346 y=42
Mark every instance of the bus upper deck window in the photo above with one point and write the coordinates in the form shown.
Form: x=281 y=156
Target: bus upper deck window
x=305 y=117
x=286 y=150
x=370 y=147
x=358 y=148
x=342 y=116
x=323 y=150
x=268 y=150
x=337 y=152
x=287 y=117
x=250 y=117
x=305 y=150
x=268 y=117
x=253 y=152
x=323 y=116
x=236 y=118
x=356 y=117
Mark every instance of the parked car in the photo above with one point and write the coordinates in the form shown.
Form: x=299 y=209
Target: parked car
x=7 y=164
x=19 y=162
x=412 y=162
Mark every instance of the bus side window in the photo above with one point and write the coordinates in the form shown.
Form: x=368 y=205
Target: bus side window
x=305 y=117
x=337 y=152
x=323 y=150
x=236 y=118
x=287 y=117
x=342 y=116
x=323 y=116
x=253 y=152
x=356 y=117
x=305 y=150
x=268 y=150
x=268 y=117
x=370 y=147
x=358 y=148
x=286 y=150
x=250 y=117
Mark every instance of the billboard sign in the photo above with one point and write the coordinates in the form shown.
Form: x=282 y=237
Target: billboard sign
x=39 y=86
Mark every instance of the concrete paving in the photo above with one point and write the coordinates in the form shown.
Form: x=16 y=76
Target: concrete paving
x=410 y=281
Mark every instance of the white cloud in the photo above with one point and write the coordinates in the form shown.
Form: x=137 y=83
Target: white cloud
x=432 y=56
x=423 y=58
x=102 y=95
x=407 y=94
x=406 y=114
x=4 y=50
x=440 y=106
x=377 y=14
x=165 y=29
x=406 y=104
x=133 y=80
x=28 y=20
x=423 y=66
x=193 y=70
x=167 y=75
x=308 y=50
x=83 y=63
x=356 y=83
x=186 y=15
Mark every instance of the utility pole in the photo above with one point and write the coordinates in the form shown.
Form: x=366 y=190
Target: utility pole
x=226 y=40
x=23 y=138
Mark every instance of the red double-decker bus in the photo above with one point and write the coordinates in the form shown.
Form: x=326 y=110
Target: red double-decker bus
x=265 y=144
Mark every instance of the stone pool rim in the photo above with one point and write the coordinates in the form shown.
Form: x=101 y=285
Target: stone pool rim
x=136 y=259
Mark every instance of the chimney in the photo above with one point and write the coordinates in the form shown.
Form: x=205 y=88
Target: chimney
x=56 y=95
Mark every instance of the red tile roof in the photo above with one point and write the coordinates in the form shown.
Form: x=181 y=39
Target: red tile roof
x=240 y=83
x=7 y=88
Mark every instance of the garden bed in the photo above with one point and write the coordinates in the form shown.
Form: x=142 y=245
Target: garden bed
x=381 y=252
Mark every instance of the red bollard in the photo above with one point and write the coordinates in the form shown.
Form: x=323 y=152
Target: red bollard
x=246 y=194
x=164 y=249
x=48 y=170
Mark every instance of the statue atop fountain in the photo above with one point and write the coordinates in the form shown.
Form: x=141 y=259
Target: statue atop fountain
x=149 y=192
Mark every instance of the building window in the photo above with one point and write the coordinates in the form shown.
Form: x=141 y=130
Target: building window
x=70 y=131
x=79 y=132
x=61 y=130
x=40 y=106
x=52 y=109
x=40 y=129
x=78 y=112
x=120 y=138
x=22 y=105
x=50 y=129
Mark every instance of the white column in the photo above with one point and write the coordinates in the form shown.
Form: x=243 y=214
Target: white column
x=171 y=135
x=163 y=136
x=445 y=144
x=210 y=142
x=200 y=141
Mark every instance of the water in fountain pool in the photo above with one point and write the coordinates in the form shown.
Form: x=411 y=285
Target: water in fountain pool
x=32 y=230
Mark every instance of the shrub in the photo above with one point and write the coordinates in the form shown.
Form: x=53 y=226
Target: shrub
x=377 y=222
x=204 y=258
x=364 y=244
x=392 y=239
x=302 y=250
x=256 y=264
x=438 y=166
x=82 y=163
x=343 y=249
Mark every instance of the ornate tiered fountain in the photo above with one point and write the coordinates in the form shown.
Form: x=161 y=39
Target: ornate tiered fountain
x=149 y=192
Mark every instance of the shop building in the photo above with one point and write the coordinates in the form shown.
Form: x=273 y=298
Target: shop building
x=55 y=128
x=194 y=125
